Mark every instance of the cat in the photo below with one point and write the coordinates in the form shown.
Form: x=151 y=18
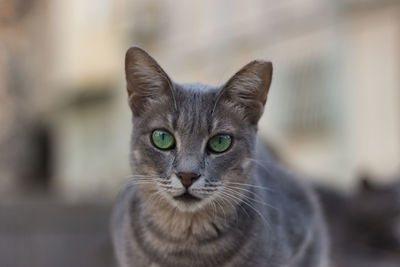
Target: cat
x=202 y=192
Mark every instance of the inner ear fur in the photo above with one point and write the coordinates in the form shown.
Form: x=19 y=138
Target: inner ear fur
x=247 y=90
x=146 y=81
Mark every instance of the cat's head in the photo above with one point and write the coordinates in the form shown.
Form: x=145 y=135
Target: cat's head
x=192 y=144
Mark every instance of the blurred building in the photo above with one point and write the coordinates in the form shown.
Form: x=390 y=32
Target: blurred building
x=333 y=110
x=22 y=132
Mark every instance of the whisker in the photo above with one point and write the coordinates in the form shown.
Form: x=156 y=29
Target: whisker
x=166 y=187
x=262 y=161
x=262 y=165
x=249 y=185
x=234 y=208
x=214 y=209
x=158 y=196
x=240 y=194
x=249 y=205
x=222 y=208
x=205 y=191
x=242 y=189
x=226 y=196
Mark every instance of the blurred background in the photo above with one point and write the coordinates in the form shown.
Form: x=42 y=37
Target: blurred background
x=333 y=111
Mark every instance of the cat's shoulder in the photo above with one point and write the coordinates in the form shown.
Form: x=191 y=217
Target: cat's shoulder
x=283 y=185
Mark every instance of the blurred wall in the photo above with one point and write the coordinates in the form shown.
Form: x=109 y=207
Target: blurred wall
x=333 y=110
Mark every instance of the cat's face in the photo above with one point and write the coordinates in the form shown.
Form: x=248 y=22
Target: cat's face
x=192 y=144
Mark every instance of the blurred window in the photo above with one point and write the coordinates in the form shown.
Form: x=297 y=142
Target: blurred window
x=308 y=99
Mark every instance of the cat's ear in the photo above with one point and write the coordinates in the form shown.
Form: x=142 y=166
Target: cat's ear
x=247 y=90
x=147 y=83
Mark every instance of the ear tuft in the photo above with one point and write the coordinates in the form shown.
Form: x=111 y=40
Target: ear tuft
x=248 y=89
x=146 y=80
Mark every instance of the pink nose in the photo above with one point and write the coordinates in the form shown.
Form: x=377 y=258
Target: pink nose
x=187 y=178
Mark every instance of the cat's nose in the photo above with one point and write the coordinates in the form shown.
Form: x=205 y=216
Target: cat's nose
x=187 y=178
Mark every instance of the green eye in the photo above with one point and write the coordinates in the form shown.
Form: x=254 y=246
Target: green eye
x=162 y=139
x=220 y=143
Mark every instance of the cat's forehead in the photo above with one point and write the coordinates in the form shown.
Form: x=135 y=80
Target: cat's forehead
x=194 y=107
x=195 y=111
x=195 y=95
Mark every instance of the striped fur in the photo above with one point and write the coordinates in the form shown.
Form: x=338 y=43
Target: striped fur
x=252 y=212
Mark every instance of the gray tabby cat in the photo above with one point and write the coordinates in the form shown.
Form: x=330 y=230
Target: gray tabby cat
x=202 y=192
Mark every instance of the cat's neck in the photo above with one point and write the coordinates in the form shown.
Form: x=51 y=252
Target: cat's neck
x=208 y=222
x=209 y=233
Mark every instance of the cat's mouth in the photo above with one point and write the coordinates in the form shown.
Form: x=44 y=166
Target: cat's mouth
x=187 y=197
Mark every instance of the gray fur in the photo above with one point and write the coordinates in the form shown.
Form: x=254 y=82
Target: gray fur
x=252 y=212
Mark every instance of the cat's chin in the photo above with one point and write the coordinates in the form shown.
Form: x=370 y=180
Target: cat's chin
x=187 y=202
x=187 y=198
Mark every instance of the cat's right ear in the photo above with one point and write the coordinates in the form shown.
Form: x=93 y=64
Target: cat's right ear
x=147 y=83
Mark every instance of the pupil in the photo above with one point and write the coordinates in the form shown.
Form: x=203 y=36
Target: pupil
x=220 y=140
x=163 y=136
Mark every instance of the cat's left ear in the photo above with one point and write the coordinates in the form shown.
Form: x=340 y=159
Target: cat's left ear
x=247 y=90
